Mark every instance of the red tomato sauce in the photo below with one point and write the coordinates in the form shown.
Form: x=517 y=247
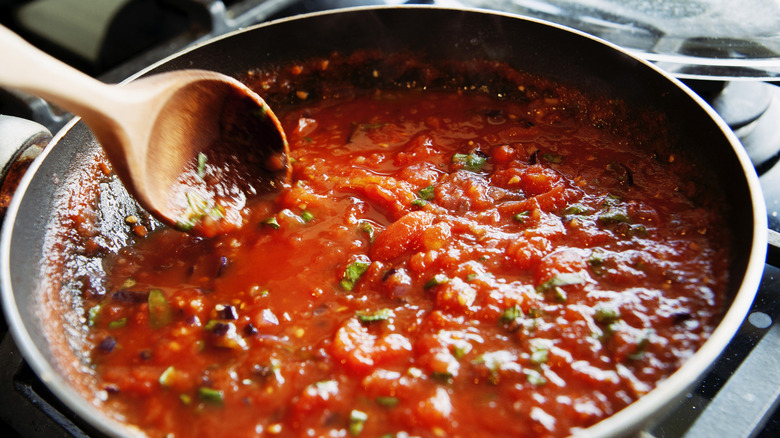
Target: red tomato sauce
x=444 y=263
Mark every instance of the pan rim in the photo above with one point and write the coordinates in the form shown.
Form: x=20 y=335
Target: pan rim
x=631 y=417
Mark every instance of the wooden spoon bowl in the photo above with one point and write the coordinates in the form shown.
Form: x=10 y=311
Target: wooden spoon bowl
x=191 y=146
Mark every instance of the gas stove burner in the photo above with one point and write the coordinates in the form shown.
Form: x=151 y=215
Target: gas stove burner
x=752 y=111
x=761 y=136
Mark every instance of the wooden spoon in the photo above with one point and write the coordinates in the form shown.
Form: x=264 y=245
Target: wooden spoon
x=191 y=146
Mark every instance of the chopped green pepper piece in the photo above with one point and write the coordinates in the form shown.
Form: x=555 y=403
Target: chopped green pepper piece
x=93 y=314
x=535 y=377
x=641 y=345
x=259 y=292
x=352 y=274
x=379 y=315
x=539 y=352
x=552 y=158
x=460 y=350
x=511 y=314
x=357 y=419
x=637 y=230
x=419 y=202
x=442 y=376
x=119 y=323
x=210 y=395
x=596 y=261
x=606 y=314
x=367 y=228
x=613 y=211
x=261 y=112
x=494 y=362
x=555 y=284
x=576 y=209
x=160 y=312
x=614 y=215
x=596 y=258
x=201 y=165
x=426 y=193
x=184 y=225
x=539 y=356
x=386 y=401
x=473 y=161
x=197 y=209
x=166 y=378
x=307 y=216
x=195 y=202
x=558 y=280
x=521 y=217
x=128 y=283
x=210 y=324
x=437 y=280
x=272 y=222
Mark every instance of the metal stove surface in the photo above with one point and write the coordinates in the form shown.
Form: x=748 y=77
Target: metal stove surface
x=723 y=404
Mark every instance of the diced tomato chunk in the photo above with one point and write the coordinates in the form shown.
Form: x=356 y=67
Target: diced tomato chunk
x=401 y=236
x=360 y=350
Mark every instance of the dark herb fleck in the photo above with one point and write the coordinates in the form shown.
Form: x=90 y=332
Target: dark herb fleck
x=622 y=173
x=534 y=157
x=107 y=344
x=226 y=311
x=250 y=329
x=218 y=328
x=130 y=296
x=223 y=262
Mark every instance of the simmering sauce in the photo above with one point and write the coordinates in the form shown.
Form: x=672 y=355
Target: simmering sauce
x=445 y=263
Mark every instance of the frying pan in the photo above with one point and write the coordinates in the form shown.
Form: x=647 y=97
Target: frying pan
x=45 y=323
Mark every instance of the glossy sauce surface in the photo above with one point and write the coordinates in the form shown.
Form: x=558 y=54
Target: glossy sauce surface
x=444 y=264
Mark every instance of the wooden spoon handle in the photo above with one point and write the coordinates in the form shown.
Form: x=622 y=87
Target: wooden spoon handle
x=25 y=67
